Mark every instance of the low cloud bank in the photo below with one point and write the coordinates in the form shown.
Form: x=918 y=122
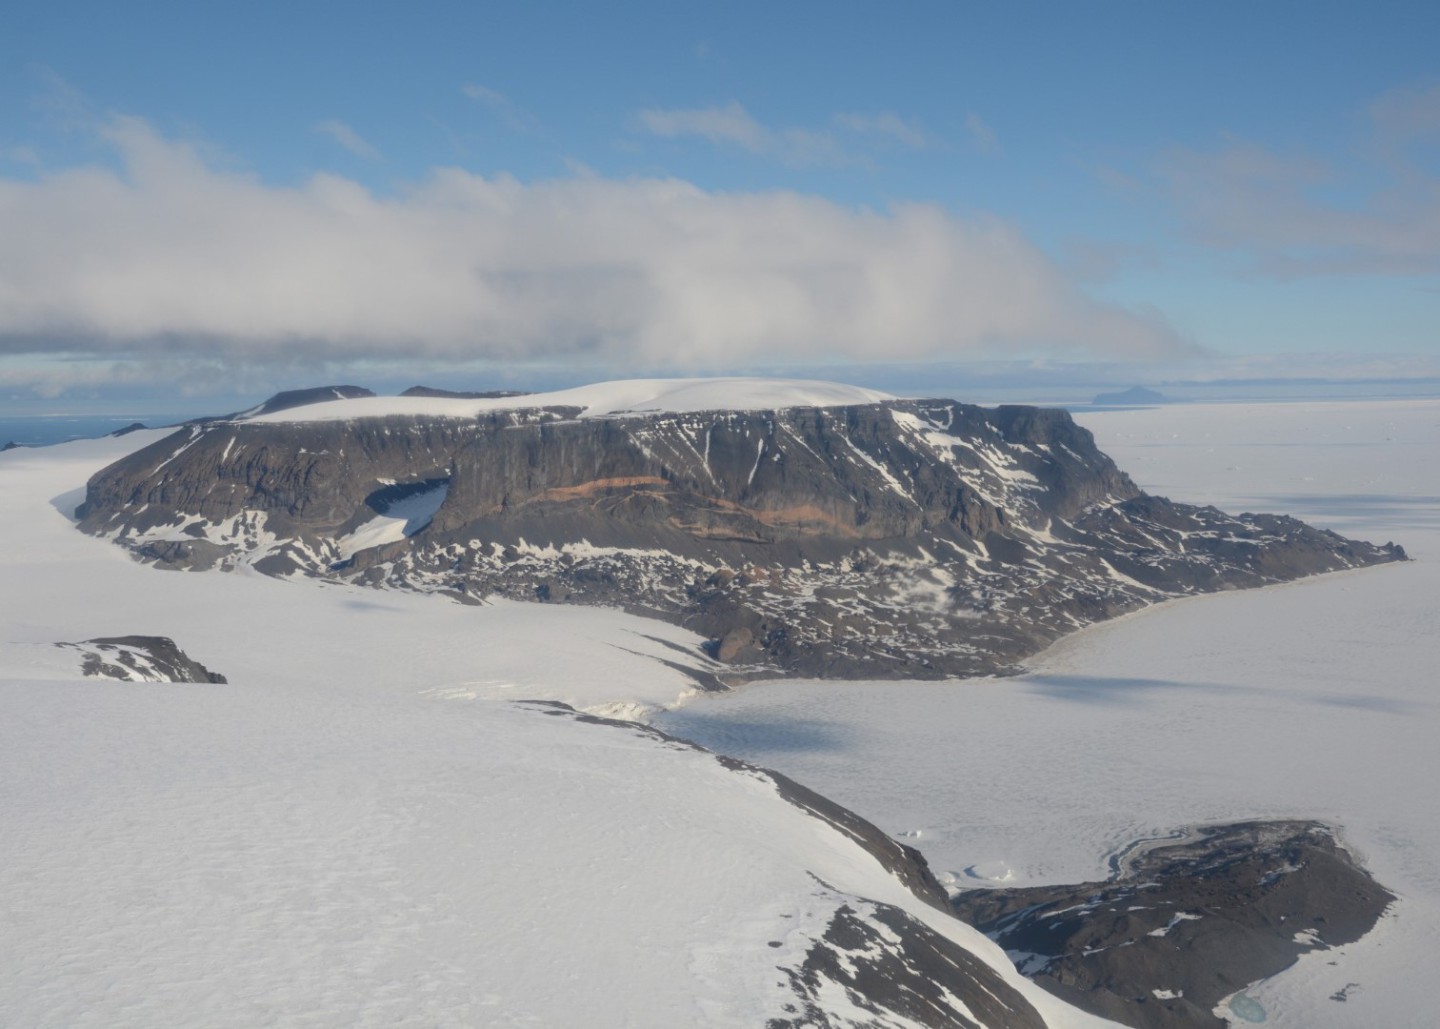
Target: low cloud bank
x=167 y=256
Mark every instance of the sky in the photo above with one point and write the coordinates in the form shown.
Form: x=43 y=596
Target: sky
x=205 y=202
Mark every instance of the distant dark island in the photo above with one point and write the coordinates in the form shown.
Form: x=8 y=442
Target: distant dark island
x=1131 y=397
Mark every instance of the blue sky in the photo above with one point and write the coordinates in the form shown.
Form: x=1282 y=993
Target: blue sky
x=229 y=199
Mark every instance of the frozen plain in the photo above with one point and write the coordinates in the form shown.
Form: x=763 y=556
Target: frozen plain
x=1316 y=699
x=169 y=836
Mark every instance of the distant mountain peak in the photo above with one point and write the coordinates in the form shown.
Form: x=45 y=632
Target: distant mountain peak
x=293 y=398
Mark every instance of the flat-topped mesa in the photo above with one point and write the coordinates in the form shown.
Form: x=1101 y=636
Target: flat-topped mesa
x=845 y=533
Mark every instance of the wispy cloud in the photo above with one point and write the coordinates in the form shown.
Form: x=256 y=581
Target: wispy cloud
x=847 y=138
x=1279 y=209
x=728 y=124
x=1373 y=208
x=172 y=257
x=510 y=113
x=348 y=138
x=26 y=155
x=733 y=125
x=1405 y=116
x=982 y=135
x=886 y=124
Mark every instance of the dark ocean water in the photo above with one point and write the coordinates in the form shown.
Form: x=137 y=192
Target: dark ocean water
x=39 y=431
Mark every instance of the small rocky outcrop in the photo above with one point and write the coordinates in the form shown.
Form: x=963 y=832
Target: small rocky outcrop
x=905 y=539
x=139 y=659
x=1185 y=923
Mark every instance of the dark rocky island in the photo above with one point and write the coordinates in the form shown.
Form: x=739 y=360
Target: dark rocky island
x=1185 y=923
x=1135 y=396
x=903 y=539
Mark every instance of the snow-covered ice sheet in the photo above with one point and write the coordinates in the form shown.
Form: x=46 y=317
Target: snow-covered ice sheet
x=625 y=396
x=353 y=829
x=288 y=855
x=1314 y=699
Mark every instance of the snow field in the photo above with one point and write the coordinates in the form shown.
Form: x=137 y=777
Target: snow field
x=604 y=399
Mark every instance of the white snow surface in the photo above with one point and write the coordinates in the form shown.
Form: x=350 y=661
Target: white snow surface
x=605 y=399
x=1314 y=699
x=360 y=829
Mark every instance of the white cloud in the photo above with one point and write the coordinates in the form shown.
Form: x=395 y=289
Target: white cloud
x=348 y=138
x=173 y=258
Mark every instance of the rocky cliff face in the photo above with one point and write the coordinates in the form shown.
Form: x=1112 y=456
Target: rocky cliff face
x=896 y=539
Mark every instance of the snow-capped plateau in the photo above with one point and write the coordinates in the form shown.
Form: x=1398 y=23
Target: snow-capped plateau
x=809 y=529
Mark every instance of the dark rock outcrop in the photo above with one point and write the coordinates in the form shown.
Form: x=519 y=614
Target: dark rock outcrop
x=127 y=430
x=1184 y=923
x=889 y=963
x=900 y=539
x=140 y=659
x=289 y=399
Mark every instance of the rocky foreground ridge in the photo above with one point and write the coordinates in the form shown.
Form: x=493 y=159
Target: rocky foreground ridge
x=877 y=539
x=884 y=965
